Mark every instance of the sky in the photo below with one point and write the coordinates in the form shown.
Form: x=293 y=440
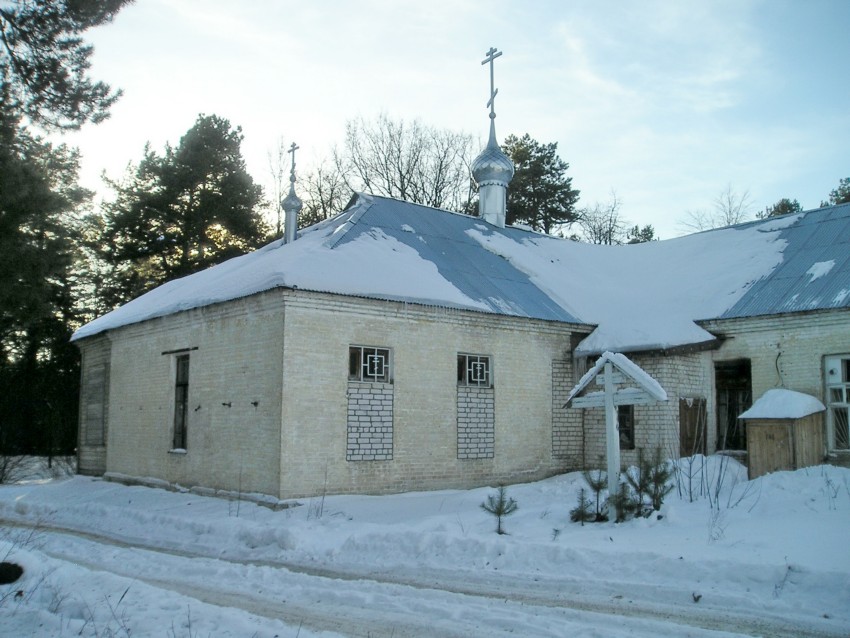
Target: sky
x=666 y=104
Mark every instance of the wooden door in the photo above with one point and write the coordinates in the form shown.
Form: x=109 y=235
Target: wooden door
x=692 y=426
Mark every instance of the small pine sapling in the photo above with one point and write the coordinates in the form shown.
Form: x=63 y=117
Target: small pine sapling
x=598 y=481
x=659 y=480
x=583 y=512
x=639 y=482
x=624 y=502
x=500 y=505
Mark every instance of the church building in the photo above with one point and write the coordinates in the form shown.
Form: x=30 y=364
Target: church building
x=398 y=347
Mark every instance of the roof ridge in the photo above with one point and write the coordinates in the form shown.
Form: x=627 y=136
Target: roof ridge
x=364 y=203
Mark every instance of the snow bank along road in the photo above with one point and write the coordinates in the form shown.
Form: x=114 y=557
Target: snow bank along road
x=357 y=601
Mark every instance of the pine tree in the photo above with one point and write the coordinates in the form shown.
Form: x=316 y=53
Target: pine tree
x=598 y=482
x=38 y=366
x=180 y=212
x=660 y=472
x=499 y=505
x=44 y=62
x=583 y=512
x=840 y=194
x=540 y=193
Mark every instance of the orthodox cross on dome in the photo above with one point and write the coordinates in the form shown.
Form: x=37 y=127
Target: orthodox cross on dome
x=291 y=151
x=492 y=54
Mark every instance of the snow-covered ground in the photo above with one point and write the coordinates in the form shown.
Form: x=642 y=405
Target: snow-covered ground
x=771 y=558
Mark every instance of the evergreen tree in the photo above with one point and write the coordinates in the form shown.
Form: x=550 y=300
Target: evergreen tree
x=38 y=366
x=44 y=62
x=839 y=195
x=583 y=511
x=44 y=81
x=180 y=212
x=540 y=194
x=638 y=235
x=598 y=482
x=500 y=505
x=782 y=207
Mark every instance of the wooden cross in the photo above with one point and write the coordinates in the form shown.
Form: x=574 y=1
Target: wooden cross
x=492 y=54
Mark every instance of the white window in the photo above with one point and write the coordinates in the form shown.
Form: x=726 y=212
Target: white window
x=369 y=363
x=837 y=375
x=473 y=369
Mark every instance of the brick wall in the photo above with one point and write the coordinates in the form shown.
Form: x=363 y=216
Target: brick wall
x=682 y=376
x=428 y=447
x=786 y=351
x=235 y=369
x=370 y=422
x=568 y=442
x=475 y=422
x=94 y=405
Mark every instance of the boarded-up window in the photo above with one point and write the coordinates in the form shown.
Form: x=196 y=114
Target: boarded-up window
x=94 y=405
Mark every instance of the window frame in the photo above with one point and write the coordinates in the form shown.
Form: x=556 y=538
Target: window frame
x=837 y=399
x=626 y=426
x=363 y=362
x=468 y=363
x=180 y=423
x=733 y=394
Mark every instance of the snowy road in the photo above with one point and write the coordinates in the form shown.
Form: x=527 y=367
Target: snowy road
x=353 y=601
x=769 y=559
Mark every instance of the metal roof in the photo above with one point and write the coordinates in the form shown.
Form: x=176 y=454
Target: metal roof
x=442 y=240
x=384 y=248
x=815 y=270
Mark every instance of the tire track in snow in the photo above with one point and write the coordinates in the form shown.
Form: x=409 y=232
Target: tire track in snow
x=422 y=591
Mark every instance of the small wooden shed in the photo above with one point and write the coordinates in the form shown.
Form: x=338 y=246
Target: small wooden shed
x=784 y=432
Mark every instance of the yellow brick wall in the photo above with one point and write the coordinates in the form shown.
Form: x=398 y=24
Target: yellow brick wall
x=683 y=376
x=236 y=359
x=425 y=343
x=293 y=442
x=785 y=351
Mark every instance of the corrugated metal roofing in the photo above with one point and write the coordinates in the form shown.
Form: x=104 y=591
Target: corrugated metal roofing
x=640 y=297
x=442 y=240
x=815 y=270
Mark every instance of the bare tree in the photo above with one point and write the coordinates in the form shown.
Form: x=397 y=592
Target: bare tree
x=407 y=161
x=326 y=194
x=730 y=207
x=278 y=169
x=601 y=223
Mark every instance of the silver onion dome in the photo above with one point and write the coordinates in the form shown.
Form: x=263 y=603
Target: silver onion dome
x=492 y=166
x=292 y=202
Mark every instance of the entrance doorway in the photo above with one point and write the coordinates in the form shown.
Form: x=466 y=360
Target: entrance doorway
x=733 y=381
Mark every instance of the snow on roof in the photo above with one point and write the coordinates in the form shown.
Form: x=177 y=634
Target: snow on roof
x=783 y=404
x=368 y=251
x=639 y=297
x=646 y=296
x=628 y=368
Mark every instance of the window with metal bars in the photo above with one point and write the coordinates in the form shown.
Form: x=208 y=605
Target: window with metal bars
x=474 y=369
x=369 y=363
x=838 y=401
